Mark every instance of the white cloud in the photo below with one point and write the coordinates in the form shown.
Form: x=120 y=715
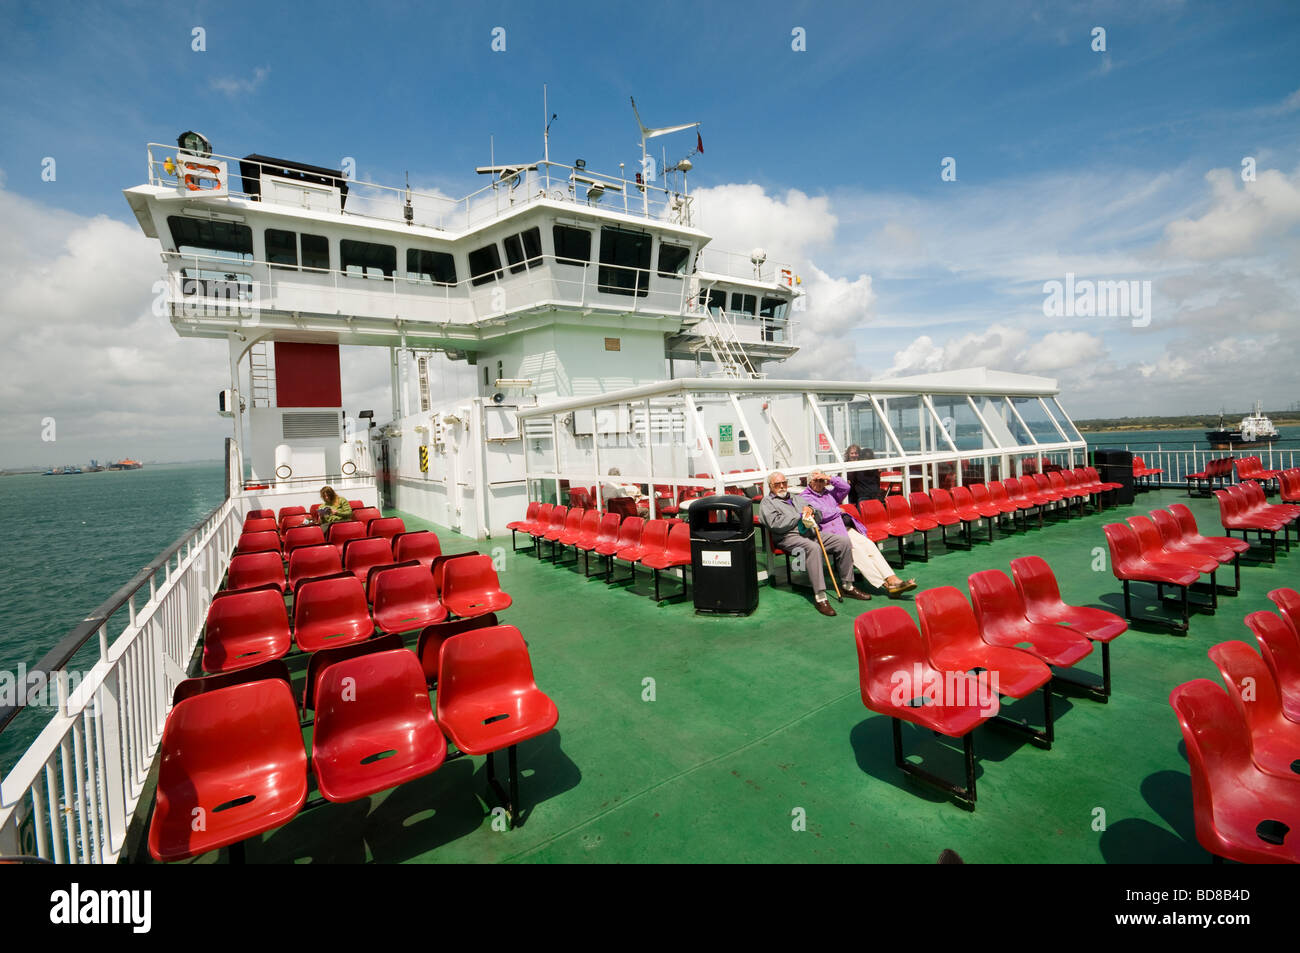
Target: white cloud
x=1241 y=216
x=235 y=86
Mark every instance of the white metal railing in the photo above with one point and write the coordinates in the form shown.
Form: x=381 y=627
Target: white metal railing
x=551 y=181
x=732 y=264
x=1178 y=463
x=71 y=797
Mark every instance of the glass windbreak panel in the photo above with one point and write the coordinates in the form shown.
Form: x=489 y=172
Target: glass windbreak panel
x=1061 y=418
x=196 y=236
x=672 y=260
x=624 y=261
x=572 y=245
x=539 y=446
x=367 y=259
x=998 y=413
x=484 y=264
x=902 y=413
x=542 y=491
x=744 y=304
x=431 y=266
x=865 y=429
x=1036 y=419
x=963 y=425
x=315 y=252
x=281 y=247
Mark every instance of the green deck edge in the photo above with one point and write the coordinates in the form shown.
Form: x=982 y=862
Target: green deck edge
x=758 y=721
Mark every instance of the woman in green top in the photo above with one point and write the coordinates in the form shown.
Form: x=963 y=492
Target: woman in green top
x=335 y=510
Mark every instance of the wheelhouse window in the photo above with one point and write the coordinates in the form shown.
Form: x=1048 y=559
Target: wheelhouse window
x=281 y=248
x=367 y=259
x=524 y=250
x=436 y=267
x=484 y=264
x=672 y=260
x=196 y=236
x=624 y=261
x=774 y=308
x=713 y=300
x=315 y=253
x=572 y=245
x=744 y=304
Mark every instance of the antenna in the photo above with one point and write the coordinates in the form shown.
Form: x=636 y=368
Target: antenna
x=647 y=133
x=408 y=211
x=546 y=131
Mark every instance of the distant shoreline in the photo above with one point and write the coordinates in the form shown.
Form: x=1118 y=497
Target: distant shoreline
x=1228 y=423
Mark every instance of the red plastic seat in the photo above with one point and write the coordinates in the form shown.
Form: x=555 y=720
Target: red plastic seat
x=232 y=758
x=1288 y=605
x=972 y=510
x=405 y=600
x=256 y=569
x=575 y=526
x=260 y=515
x=360 y=554
x=429 y=648
x=372 y=576
x=676 y=553
x=1001 y=615
x=1024 y=500
x=291 y=511
x=422 y=545
x=294 y=521
x=317 y=662
x=355 y=504
x=875 y=519
x=386 y=526
x=945 y=511
x=1128 y=566
x=952 y=702
x=654 y=539
x=374 y=726
x=1274 y=739
x=1001 y=498
x=439 y=567
x=302 y=536
x=1097 y=480
x=252 y=525
x=308 y=562
x=1153 y=549
x=1187 y=522
x=341 y=532
x=1233 y=517
x=329 y=612
x=923 y=513
x=273 y=669
x=553 y=529
x=540 y=524
x=603 y=542
x=488 y=699
x=629 y=538
x=1289 y=486
x=268 y=542
x=1175 y=540
x=902 y=526
x=1240 y=811
x=952 y=641
x=1041 y=596
x=523 y=525
x=365 y=514
x=1280 y=646
x=245 y=629
x=470 y=588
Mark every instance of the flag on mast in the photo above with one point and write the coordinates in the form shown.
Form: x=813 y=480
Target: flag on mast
x=699 y=143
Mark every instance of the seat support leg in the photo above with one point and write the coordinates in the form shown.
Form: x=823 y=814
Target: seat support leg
x=509 y=799
x=1040 y=738
x=1096 y=693
x=965 y=796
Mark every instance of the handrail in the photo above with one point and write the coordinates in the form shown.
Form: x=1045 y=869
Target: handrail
x=56 y=658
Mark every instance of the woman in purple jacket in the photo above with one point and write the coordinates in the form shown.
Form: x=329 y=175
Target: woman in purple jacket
x=824 y=494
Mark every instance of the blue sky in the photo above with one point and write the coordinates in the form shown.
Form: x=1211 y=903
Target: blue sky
x=1067 y=159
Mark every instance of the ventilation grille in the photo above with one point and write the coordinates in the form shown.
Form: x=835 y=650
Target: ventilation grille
x=300 y=425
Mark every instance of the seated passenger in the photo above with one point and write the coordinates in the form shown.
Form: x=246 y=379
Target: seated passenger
x=824 y=495
x=864 y=484
x=335 y=510
x=612 y=489
x=784 y=518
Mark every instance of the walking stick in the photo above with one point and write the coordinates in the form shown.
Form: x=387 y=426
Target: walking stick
x=827 y=557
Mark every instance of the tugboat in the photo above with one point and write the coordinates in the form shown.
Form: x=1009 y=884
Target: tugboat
x=1255 y=430
x=126 y=464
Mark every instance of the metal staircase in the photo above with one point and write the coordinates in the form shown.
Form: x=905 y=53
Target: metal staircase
x=261 y=376
x=725 y=347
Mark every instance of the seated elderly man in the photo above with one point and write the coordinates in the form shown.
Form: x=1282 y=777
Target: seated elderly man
x=824 y=494
x=783 y=517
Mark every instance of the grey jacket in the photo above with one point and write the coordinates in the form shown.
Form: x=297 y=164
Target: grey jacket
x=782 y=517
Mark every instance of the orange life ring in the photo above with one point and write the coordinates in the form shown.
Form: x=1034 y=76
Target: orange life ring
x=192 y=177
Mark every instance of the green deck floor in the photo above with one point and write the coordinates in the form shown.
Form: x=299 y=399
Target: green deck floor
x=758 y=721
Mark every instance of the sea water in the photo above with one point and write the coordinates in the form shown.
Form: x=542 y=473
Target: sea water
x=70 y=542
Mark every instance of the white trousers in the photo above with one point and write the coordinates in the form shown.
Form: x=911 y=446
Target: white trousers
x=868 y=560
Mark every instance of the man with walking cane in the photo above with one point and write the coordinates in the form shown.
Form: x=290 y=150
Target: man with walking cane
x=784 y=518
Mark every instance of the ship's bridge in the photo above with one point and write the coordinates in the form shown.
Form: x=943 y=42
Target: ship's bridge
x=306 y=253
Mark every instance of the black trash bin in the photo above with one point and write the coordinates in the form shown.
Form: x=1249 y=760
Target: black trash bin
x=724 y=564
x=1116 y=466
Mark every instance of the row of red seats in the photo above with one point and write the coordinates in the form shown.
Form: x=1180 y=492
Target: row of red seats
x=357 y=556
x=1289 y=485
x=1218 y=469
x=657 y=544
x=964 y=506
x=246 y=627
x=949 y=676
x=293 y=516
x=1167 y=549
x=259 y=532
x=233 y=754
x=1252 y=468
x=1143 y=472
x=1243 y=745
x=1244 y=507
